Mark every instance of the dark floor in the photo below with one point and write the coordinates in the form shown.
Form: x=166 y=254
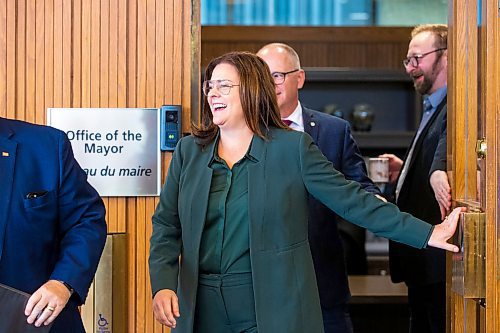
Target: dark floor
x=378 y=305
x=383 y=318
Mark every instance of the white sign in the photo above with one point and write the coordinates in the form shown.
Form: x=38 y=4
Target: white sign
x=117 y=148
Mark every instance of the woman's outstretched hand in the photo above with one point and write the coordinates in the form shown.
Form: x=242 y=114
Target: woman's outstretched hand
x=445 y=230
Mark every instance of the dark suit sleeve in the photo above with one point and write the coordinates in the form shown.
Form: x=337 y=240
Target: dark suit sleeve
x=439 y=162
x=82 y=225
x=353 y=164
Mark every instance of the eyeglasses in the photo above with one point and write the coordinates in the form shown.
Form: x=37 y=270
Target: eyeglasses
x=279 y=77
x=413 y=60
x=223 y=86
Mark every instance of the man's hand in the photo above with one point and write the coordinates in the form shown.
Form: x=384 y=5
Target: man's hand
x=46 y=303
x=445 y=230
x=442 y=191
x=166 y=307
x=395 y=164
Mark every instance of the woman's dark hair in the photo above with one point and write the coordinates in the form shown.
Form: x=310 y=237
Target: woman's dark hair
x=257 y=94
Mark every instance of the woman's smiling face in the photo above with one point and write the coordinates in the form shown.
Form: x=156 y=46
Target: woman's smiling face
x=226 y=109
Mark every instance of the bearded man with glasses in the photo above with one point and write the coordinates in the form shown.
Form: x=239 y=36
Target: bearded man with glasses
x=422 y=186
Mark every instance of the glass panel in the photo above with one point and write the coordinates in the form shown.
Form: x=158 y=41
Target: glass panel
x=323 y=12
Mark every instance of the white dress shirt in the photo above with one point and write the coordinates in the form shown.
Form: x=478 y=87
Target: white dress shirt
x=296 y=119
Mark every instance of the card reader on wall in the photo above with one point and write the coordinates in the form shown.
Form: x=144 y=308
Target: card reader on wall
x=170 y=128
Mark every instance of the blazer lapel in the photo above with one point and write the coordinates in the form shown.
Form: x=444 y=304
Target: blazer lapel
x=256 y=193
x=8 y=150
x=422 y=135
x=311 y=126
x=199 y=202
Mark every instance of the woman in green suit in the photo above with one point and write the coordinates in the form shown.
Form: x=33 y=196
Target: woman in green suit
x=234 y=208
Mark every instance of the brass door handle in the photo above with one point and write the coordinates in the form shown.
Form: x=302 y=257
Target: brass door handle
x=481 y=148
x=469 y=265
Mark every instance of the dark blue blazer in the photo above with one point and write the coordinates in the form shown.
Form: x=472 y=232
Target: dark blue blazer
x=334 y=139
x=58 y=235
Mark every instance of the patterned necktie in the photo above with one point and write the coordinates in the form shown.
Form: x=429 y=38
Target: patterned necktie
x=425 y=118
x=426 y=115
x=287 y=122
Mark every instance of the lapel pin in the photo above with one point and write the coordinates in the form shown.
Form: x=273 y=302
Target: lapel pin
x=5 y=154
x=313 y=123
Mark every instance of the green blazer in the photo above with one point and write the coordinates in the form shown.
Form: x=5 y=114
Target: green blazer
x=289 y=166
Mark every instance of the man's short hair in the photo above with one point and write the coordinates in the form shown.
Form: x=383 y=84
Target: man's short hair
x=289 y=50
x=438 y=30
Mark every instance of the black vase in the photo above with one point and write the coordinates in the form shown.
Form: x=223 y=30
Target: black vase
x=334 y=110
x=362 y=117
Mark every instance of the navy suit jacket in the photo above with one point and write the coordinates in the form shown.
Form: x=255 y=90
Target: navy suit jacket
x=60 y=233
x=334 y=139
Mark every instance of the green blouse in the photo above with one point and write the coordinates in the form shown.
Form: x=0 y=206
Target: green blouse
x=225 y=244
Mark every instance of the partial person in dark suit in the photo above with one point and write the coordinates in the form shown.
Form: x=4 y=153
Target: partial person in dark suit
x=52 y=224
x=422 y=187
x=334 y=139
x=229 y=250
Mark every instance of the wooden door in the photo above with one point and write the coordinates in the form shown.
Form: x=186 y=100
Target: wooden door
x=473 y=119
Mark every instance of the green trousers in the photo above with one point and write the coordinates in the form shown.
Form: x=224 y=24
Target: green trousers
x=225 y=304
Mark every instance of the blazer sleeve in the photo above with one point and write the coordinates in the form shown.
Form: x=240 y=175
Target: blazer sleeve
x=353 y=164
x=82 y=225
x=350 y=201
x=166 y=242
x=439 y=161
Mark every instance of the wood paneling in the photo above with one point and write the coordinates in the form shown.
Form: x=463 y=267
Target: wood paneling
x=490 y=97
x=103 y=53
x=473 y=113
x=361 y=47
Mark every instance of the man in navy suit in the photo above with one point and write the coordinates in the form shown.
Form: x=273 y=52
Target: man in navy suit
x=52 y=224
x=333 y=137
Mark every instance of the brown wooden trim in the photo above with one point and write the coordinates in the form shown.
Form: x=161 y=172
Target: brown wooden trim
x=11 y=57
x=268 y=34
x=356 y=47
x=474 y=63
x=21 y=56
x=471 y=106
x=3 y=60
x=490 y=39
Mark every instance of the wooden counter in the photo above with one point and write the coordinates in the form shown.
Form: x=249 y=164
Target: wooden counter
x=368 y=289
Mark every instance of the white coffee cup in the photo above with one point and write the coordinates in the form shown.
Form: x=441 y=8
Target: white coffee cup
x=378 y=169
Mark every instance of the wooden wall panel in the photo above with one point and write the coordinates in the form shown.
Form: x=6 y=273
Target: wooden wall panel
x=3 y=58
x=360 y=47
x=103 y=53
x=11 y=56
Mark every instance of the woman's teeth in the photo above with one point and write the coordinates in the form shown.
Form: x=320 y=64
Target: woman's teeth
x=219 y=106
